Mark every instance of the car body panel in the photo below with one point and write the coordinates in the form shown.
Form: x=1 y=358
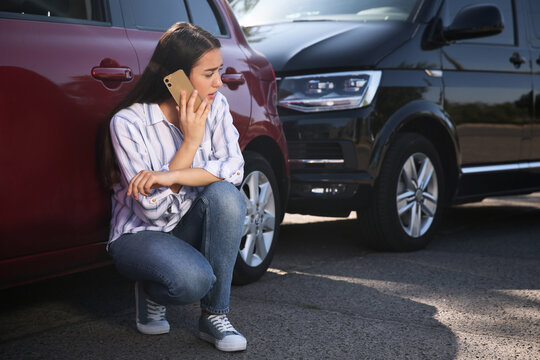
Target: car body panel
x=487 y=96
x=533 y=35
x=58 y=105
x=319 y=45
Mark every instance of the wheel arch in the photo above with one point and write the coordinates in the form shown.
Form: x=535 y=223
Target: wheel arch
x=430 y=121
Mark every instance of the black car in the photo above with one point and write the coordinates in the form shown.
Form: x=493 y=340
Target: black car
x=396 y=108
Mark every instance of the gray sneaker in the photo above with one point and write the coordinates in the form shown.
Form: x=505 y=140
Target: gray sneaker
x=150 y=315
x=217 y=330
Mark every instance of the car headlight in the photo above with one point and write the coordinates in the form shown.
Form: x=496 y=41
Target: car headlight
x=329 y=92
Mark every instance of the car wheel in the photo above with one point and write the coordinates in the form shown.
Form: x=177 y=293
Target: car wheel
x=261 y=224
x=408 y=196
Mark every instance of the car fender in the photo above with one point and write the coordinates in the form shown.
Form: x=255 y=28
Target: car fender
x=408 y=118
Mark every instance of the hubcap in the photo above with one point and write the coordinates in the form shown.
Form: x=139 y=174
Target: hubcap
x=417 y=195
x=260 y=221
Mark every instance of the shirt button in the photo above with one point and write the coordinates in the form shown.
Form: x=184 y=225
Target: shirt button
x=153 y=200
x=238 y=173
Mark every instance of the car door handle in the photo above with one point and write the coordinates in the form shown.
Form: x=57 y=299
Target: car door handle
x=517 y=60
x=112 y=73
x=233 y=79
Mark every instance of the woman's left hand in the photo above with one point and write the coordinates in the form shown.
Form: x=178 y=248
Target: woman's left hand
x=146 y=180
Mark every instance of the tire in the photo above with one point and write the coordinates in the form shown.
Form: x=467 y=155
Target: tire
x=261 y=225
x=409 y=196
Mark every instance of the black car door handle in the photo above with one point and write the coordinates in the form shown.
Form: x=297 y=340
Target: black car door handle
x=517 y=60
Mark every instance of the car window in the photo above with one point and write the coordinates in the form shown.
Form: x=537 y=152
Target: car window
x=506 y=37
x=91 y=10
x=205 y=15
x=158 y=15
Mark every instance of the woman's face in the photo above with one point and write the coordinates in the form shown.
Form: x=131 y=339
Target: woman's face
x=205 y=75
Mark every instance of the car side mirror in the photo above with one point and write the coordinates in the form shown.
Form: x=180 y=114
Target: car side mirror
x=474 y=21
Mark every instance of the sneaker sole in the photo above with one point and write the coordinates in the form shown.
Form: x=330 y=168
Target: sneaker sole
x=220 y=345
x=150 y=330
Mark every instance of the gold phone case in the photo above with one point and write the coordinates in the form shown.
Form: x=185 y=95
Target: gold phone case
x=178 y=81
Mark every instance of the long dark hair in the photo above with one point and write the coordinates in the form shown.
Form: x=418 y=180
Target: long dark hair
x=180 y=47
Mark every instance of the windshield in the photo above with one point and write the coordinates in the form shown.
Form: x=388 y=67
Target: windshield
x=261 y=12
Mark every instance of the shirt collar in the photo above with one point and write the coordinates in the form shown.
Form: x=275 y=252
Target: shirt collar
x=155 y=115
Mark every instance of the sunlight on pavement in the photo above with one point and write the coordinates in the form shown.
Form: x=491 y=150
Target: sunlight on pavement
x=304 y=219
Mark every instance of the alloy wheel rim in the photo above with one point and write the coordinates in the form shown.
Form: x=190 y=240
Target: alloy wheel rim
x=417 y=195
x=260 y=220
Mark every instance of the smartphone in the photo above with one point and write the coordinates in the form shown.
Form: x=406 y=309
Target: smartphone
x=178 y=82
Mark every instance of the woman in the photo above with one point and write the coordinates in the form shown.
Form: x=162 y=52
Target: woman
x=177 y=217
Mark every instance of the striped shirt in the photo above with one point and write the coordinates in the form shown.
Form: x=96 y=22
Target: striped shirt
x=143 y=139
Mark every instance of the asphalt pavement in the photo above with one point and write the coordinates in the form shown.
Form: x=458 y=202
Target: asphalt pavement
x=473 y=293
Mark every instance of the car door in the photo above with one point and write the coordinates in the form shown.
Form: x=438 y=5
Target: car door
x=63 y=66
x=146 y=22
x=487 y=91
x=532 y=10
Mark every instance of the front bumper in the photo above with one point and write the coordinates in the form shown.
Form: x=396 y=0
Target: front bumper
x=329 y=159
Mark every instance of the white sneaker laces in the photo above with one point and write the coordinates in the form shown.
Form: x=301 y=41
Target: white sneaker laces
x=221 y=323
x=156 y=312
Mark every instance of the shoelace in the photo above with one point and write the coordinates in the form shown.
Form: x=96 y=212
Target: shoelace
x=221 y=323
x=155 y=311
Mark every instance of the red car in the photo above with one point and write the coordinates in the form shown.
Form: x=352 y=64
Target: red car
x=64 y=65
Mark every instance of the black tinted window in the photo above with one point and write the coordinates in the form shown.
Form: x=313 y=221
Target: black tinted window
x=158 y=14
x=506 y=37
x=91 y=10
x=204 y=14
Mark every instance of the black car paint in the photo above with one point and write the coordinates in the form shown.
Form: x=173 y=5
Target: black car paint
x=319 y=45
x=483 y=111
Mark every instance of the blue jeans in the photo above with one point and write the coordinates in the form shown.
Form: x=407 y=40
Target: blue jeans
x=193 y=262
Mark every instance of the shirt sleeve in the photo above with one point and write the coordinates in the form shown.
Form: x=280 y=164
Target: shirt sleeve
x=226 y=161
x=132 y=157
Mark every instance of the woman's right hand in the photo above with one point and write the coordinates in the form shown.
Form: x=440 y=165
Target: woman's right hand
x=146 y=180
x=192 y=123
